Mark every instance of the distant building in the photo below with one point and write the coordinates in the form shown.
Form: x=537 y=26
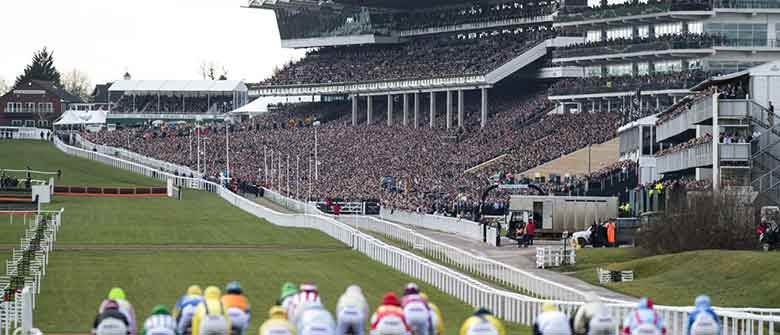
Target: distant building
x=100 y=93
x=34 y=103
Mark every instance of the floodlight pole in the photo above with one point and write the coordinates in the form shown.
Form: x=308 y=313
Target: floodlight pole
x=316 y=158
x=227 y=151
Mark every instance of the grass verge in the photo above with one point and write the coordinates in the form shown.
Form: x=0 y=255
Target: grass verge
x=731 y=278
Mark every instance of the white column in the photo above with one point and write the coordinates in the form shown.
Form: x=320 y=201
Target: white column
x=715 y=144
x=369 y=109
x=460 y=108
x=416 y=109
x=483 y=119
x=406 y=109
x=432 y=120
x=354 y=109
x=389 y=109
x=449 y=109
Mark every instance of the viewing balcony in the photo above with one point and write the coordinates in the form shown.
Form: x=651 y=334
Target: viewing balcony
x=700 y=155
x=746 y=44
x=701 y=113
x=741 y=4
x=621 y=51
x=655 y=11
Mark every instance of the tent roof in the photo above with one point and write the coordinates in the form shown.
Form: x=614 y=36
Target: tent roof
x=82 y=117
x=178 y=86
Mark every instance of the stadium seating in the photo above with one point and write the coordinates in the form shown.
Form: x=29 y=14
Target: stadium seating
x=466 y=53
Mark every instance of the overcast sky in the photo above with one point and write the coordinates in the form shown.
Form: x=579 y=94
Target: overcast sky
x=151 y=39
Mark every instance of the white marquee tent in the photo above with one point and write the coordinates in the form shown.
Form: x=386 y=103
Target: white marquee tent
x=77 y=117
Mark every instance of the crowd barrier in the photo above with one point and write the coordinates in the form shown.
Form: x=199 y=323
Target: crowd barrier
x=24 y=133
x=461 y=227
x=510 y=306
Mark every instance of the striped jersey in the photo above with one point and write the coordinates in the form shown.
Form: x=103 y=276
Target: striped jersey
x=160 y=325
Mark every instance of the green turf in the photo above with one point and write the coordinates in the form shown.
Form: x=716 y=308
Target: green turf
x=199 y=218
x=43 y=156
x=731 y=278
x=11 y=233
x=81 y=279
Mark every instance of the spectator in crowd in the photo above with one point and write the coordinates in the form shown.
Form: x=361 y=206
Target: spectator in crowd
x=530 y=232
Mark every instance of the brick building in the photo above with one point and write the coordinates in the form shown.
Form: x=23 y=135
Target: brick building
x=34 y=103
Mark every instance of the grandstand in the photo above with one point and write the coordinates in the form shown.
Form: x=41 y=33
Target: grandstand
x=134 y=100
x=642 y=56
x=411 y=100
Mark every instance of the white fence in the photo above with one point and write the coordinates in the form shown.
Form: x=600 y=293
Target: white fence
x=509 y=306
x=14 y=311
x=24 y=133
x=461 y=227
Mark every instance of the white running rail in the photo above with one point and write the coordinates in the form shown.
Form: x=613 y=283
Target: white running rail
x=24 y=133
x=38 y=240
x=509 y=306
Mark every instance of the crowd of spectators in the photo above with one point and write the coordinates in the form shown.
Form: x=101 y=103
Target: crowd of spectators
x=474 y=13
x=403 y=167
x=654 y=81
x=465 y=54
x=628 y=8
x=707 y=138
x=304 y=114
x=172 y=104
x=328 y=21
x=736 y=89
x=638 y=44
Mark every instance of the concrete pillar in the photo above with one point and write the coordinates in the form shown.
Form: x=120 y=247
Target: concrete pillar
x=369 y=109
x=593 y=106
x=460 y=108
x=354 y=109
x=657 y=103
x=406 y=109
x=389 y=109
x=609 y=106
x=449 y=109
x=416 y=109
x=432 y=117
x=483 y=119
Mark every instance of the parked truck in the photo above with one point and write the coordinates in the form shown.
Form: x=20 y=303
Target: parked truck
x=556 y=214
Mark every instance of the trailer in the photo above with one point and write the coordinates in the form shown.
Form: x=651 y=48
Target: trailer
x=556 y=214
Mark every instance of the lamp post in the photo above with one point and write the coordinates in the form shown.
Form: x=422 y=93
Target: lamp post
x=227 y=151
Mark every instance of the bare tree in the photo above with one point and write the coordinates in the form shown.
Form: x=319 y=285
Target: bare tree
x=3 y=86
x=77 y=83
x=212 y=71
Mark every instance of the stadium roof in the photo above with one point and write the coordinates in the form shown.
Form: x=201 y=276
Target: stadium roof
x=763 y=69
x=178 y=86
